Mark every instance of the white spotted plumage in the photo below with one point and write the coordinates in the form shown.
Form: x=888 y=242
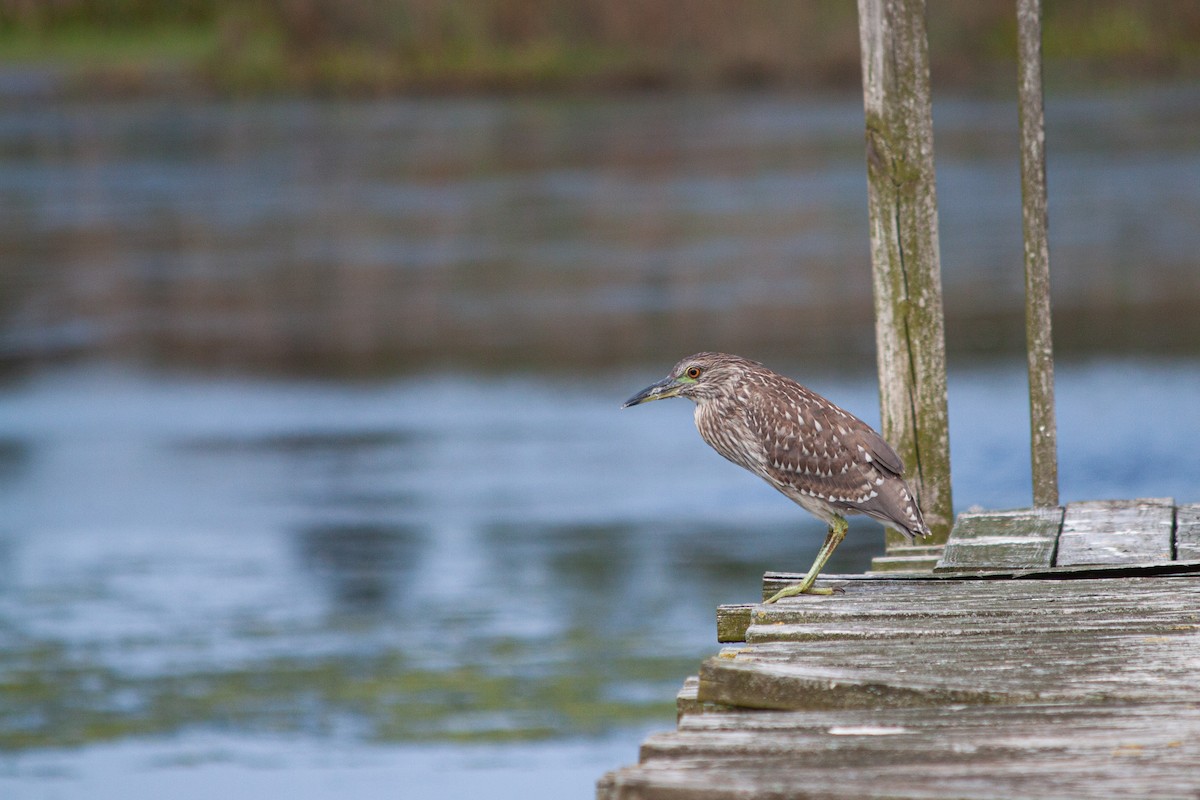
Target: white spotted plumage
x=820 y=456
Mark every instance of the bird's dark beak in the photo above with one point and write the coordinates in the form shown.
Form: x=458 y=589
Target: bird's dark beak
x=667 y=387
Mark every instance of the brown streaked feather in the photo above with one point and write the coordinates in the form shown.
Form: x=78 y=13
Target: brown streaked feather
x=815 y=446
x=818 y=454
x=884 y=455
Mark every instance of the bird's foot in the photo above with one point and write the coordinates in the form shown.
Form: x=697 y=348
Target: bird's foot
x=799 y=588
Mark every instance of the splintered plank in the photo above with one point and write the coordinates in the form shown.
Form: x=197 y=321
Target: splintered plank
x=1117 y=532
x=900 y=644
x=1044 y=751
x=1020 y=539
x=1187 y=532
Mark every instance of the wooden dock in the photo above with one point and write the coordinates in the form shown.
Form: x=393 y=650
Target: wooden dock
x=1065 y=663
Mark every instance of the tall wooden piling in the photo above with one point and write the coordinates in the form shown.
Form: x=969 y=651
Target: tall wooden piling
x=1043 y=429
x=906 y=266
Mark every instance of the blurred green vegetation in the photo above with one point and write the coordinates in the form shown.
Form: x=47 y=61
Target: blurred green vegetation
x=53 y=697
x=385 y=46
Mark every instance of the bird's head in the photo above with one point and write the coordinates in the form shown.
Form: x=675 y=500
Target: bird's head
x=699 y=377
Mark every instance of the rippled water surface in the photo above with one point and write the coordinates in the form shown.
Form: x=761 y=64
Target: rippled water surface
x=374 y=237
x=207 y=579
x=313 y=477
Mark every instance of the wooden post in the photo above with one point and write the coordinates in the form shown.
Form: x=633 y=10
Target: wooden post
x=906 y=267
x=1043 y=430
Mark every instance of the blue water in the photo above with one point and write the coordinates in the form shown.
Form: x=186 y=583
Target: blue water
x=313 y=478
x=166 y=534
x=382 y=237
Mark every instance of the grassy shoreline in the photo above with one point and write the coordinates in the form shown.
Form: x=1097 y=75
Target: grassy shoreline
x=248 y=50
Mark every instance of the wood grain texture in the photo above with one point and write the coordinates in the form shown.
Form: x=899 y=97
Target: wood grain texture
x=1038 y=338
x=1021 y=539
x=909 y=558
x=1117 y=531
x=1187 y=532
x=906 y=643
x=945 y=688
x=732 y=622
x=906 y=266
x=1011 y=677
x=988 y=753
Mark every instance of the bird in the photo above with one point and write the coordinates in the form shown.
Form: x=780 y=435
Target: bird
x=818 y=455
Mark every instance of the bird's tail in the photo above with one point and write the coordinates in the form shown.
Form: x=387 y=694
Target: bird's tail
x=897 y=508
x=912 y=523
x=918 y=531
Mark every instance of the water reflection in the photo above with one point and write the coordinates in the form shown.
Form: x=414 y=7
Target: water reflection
x=376 y=237
x=524 y=562
x=365 y=567
x=14 y=457
x=492 y=554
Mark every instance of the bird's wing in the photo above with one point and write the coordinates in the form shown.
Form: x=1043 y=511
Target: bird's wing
x=813 y=449
x=815 y=446
x=880 y=450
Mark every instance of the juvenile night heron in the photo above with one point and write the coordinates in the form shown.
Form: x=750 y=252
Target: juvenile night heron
x=825 y=459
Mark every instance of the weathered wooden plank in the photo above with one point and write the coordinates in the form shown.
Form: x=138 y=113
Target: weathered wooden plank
x=1187 y=532
x=909 y=558
x=909 y=643
x=688 y=702
x=732 y=622
x=1116 y=531
x=1017 y=619
x=1042 y=751
x=754 y=680
x=1020 y=539
x=940 y=687
x=849 y=584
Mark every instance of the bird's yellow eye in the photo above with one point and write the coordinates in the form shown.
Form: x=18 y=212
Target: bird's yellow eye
x=693 y=372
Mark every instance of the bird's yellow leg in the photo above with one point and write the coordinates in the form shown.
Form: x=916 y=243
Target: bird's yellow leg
x=837 y=532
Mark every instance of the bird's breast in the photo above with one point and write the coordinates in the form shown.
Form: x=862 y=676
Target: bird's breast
x=726 y=432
